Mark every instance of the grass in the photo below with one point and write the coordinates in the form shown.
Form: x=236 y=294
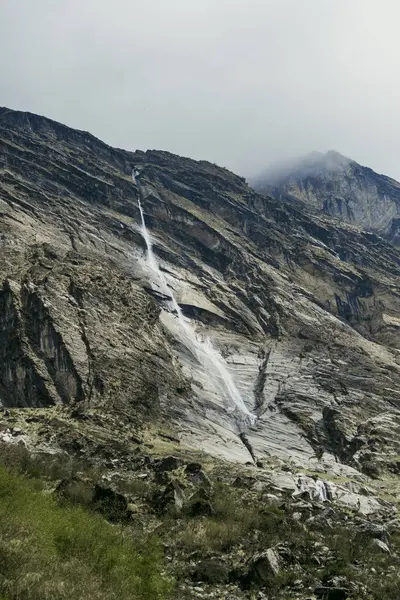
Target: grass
x=51 y=467
x=48 y=550
x=53 y=552
x=232 y=522
x=238 y=523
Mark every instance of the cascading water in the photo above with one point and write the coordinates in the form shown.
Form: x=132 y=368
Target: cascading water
x=202 y=350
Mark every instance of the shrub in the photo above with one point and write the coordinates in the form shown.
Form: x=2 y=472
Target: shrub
x=232 y=520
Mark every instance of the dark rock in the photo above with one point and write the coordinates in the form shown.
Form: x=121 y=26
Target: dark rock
x=75 y=490
x=196 y=475
x=170 y=463
x=244 y=482
x=193 y=468
x=212 y=571
x=332 y=593
x=111 y=504
x=199 y=503
x=375 y=530
x=201 y=508
x=77 y=411
x=33 y=419
x=171 y=499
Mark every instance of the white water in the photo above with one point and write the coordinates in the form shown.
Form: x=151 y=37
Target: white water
x=321 y=490
x=202 y=349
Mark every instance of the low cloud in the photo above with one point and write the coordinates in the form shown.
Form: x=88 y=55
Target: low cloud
x=238 y=82
x=301 y=167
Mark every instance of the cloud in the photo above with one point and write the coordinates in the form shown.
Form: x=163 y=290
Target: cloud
x=301 y=167
x=238 y=82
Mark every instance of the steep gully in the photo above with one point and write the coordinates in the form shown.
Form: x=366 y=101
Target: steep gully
x=201 y=349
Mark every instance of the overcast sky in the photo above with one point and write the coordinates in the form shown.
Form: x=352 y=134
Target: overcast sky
x=238 y=82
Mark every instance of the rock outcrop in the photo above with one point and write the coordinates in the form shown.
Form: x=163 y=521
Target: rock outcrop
x=340 y=187
x=305 y=310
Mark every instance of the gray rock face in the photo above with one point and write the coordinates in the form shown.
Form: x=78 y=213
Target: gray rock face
x=339 y=187
x=263 y=566
x=304 y=310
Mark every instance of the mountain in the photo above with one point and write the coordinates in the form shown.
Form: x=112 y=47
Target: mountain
x=340 y=187
x=105 y=354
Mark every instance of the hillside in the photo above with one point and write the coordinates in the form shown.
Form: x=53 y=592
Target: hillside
x=340 y=187
x=97 y=364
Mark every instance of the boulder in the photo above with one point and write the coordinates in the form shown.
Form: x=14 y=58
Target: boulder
x=111 y=504
x=75 y=490
x=381 y=545
x=212 y=571
x=242 y=481
x=170 y=463
x=263 y=566
x=195 y=474
x=171 y=499
x=163 y=467
x=200 y=503
x=375 y=530
x=331 y=593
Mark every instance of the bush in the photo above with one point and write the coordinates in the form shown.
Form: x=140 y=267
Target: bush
x=53 y=552
x=231 y=523
x=45 y=465
x=210 y=534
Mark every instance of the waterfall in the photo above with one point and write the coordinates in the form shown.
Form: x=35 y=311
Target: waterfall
x=202 y=349
x=321 y=490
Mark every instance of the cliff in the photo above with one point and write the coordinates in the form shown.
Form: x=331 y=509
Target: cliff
x=304 y=310
x=340 y=187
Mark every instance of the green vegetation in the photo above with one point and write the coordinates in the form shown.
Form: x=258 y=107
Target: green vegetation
x=53 y=552
x=54 y=548
x=232 y=521
x=316 y=552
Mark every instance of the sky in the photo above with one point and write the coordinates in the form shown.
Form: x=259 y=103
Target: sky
x=242 y=83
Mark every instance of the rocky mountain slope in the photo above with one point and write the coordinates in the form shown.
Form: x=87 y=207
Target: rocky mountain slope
x=340 y=187
x=304 y=310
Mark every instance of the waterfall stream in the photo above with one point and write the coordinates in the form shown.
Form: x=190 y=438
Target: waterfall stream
x=202 y=349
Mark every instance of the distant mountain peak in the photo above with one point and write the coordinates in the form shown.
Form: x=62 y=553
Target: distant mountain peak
x=305 y=165
x=338 y=186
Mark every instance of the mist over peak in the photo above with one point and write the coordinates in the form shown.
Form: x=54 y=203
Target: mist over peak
x=338 y=186
x=239 y=84
x=302 y=166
